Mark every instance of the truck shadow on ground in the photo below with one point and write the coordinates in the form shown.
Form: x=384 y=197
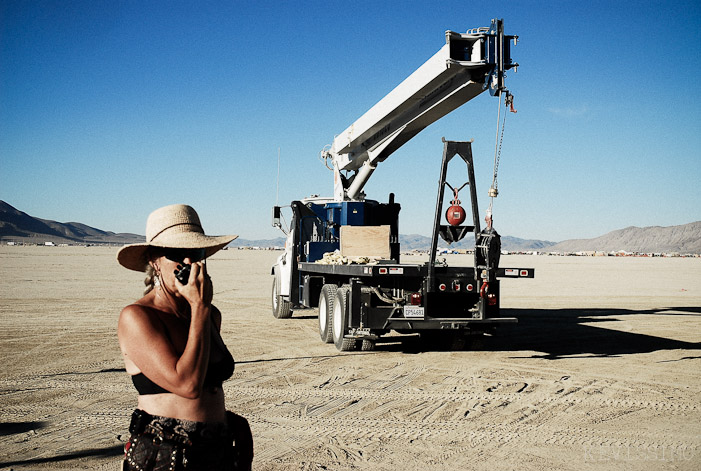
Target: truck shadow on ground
x=568 y=333
x=559 y=333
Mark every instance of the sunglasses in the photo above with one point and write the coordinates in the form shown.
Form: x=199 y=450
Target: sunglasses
x=178 y=255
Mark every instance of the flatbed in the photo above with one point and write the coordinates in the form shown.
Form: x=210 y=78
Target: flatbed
x=383 y=269
x=376 y=298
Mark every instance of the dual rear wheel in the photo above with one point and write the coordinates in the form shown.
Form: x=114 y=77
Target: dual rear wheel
x=326 y=302
x=333 y=319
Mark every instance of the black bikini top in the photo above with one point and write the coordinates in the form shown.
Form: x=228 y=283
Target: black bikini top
x=217 y=372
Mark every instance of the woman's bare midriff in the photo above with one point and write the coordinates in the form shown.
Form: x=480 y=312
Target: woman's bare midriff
x=209 y=407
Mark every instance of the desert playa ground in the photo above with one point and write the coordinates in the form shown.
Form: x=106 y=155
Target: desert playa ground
x=603 y=371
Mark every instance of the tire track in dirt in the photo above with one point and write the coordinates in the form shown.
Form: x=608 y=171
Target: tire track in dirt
x=354 y=429
x=372 y=414
x=352 y=393
x=394 y=410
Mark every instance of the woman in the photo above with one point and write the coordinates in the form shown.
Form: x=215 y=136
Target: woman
x=175 y=355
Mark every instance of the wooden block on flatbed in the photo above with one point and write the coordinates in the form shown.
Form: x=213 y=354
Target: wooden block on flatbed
x=365 y=241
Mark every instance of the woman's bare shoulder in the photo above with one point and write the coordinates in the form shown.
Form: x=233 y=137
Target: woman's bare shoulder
x=139 y=316
x=140 y=308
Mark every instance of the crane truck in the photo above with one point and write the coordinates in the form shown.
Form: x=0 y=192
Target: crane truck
x=362 y=301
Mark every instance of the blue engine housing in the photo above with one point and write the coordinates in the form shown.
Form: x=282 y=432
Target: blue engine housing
x=318 y=226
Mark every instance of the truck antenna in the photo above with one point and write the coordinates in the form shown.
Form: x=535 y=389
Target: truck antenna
x=277 y=189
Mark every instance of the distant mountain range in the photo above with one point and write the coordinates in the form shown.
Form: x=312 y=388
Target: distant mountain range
x=19 y=227
x=16 y=226
x=684 y=239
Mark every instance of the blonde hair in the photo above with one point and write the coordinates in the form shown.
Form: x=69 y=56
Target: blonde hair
x=150 y=279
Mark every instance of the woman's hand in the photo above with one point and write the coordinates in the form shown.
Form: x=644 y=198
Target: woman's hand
x=198 y=291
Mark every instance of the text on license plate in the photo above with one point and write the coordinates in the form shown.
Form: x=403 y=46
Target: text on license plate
x=413 y=311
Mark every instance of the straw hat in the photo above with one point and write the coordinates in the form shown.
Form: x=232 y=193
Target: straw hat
x=176 y=226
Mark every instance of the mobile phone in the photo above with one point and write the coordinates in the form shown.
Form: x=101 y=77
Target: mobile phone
x=183 y=273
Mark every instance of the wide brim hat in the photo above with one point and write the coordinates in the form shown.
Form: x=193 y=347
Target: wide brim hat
x=176 y=226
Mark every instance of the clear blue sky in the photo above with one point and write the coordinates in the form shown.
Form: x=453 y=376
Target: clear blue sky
x=110 y=109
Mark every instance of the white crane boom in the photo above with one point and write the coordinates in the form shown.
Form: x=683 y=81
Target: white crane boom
x=468 y=64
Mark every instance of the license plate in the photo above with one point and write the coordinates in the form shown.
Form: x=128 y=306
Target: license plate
x=413 y=311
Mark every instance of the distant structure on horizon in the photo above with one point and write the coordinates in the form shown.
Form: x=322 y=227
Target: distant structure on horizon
x=18 y=228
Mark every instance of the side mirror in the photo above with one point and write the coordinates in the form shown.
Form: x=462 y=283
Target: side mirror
x=276 y=217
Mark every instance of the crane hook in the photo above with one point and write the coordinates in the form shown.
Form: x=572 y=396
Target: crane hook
x=510 y=102
x=455 y=197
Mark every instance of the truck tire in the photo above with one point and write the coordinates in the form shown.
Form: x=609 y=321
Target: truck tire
x=340 y=321
x=326 y=302
x=367 y=345
x=281 y=309
x=458 y=341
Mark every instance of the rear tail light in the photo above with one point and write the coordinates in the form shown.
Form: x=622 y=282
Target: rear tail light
x=416 y=299
x=492 y=299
